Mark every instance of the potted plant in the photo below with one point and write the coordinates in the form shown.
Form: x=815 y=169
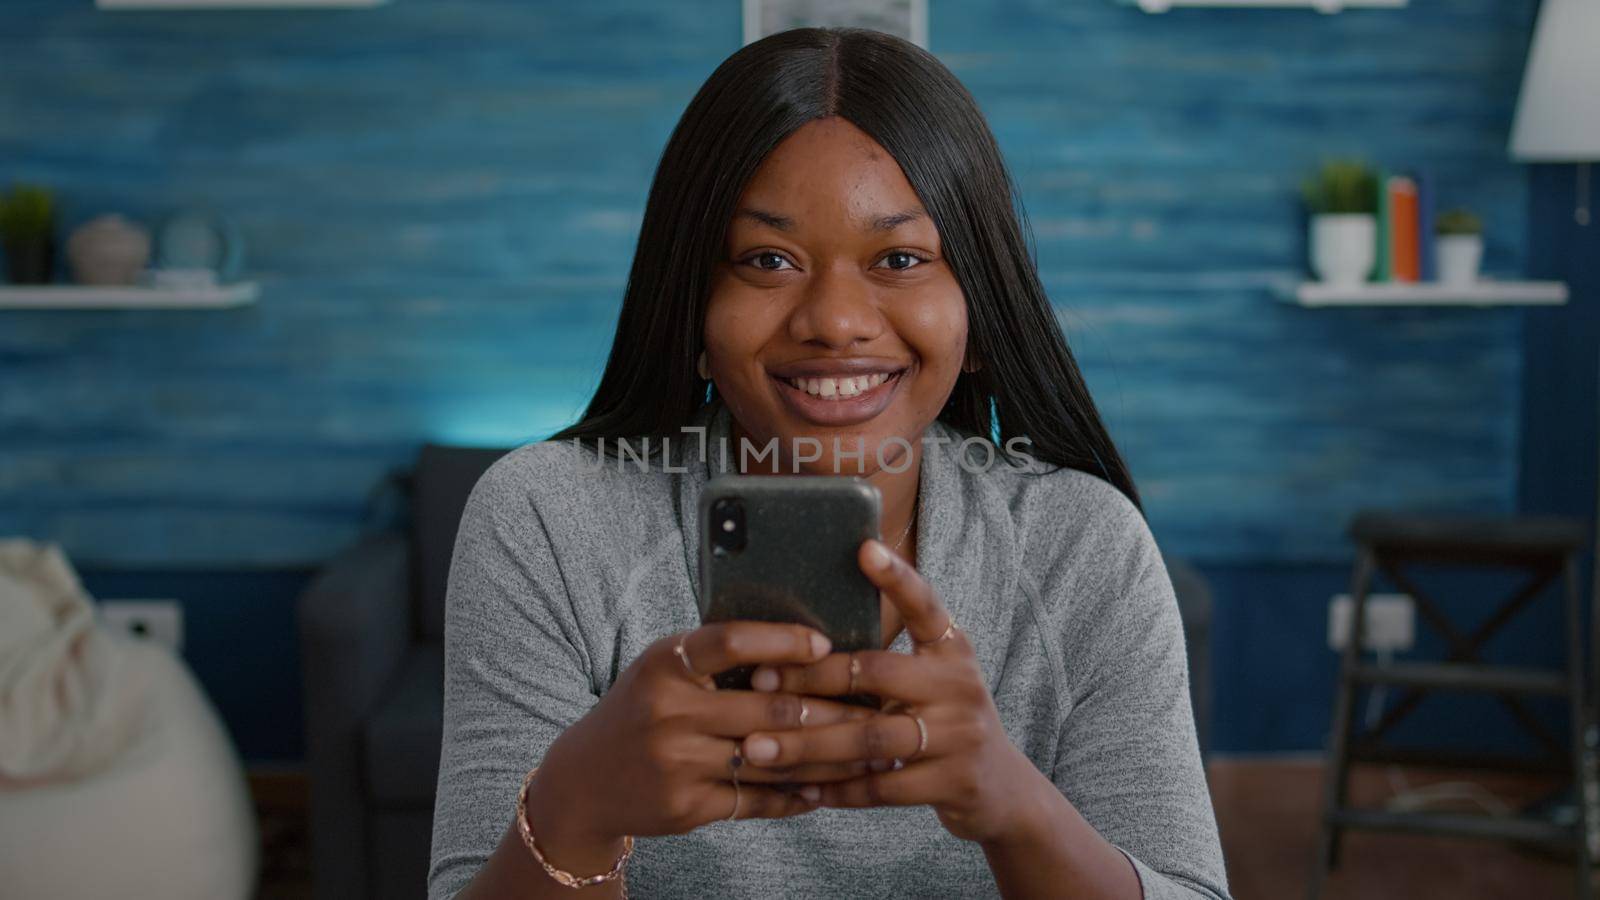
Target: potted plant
x=1460 y=246
x=27 y=226
x=1343 y=199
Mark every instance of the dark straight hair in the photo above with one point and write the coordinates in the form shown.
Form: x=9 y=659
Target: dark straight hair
x=905 y=99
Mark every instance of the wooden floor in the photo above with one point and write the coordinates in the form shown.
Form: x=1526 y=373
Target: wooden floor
x=1267 y=811
x=281 y=800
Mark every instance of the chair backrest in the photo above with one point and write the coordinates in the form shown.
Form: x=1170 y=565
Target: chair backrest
x=443 y=480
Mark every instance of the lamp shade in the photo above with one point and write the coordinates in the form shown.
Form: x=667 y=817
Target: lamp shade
x=1558 y=111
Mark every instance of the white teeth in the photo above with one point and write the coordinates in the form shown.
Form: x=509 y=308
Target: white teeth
x=837 y=388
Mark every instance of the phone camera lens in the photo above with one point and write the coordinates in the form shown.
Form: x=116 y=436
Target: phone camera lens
x=727 y=526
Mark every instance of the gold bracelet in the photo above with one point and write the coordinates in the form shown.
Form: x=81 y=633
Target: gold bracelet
x=566 y=879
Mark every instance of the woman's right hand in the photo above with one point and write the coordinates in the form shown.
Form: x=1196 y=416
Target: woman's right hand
x=656 y=754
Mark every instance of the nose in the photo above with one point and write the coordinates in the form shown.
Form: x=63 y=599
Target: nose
x=836 y=309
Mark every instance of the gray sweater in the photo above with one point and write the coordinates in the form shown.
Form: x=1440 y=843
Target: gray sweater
x=563 y=573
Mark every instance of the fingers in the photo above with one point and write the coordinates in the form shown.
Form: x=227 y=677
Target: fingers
x=711 y=759
x=734 y=714
x=810 y=773
x=881 y=672
x=910 y=786
x=755 y=801
x=725 y=645
x=876 y=737
x=919 y=606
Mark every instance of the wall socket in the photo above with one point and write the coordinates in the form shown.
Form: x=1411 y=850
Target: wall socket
x=1390 y=622
x=155 y=620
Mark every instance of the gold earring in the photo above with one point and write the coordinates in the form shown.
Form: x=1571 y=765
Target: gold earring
x=703 y=367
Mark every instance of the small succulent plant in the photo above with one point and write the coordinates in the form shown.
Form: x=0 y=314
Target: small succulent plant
x=1458 y=221
x=1342 y=186
x=27 y=212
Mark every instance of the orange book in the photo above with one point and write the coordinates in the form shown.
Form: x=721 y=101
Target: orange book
x=1405 y=243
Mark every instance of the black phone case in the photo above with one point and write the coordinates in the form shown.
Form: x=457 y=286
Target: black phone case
x=798 y=564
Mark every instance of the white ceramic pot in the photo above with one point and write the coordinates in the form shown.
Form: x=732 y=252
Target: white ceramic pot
x=1344 y=246
x=108 y=250
x=1459 y=257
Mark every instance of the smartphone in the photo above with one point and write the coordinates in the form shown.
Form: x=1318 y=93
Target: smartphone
x=783 y=548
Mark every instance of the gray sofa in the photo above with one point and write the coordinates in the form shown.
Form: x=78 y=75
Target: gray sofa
x=371 y=627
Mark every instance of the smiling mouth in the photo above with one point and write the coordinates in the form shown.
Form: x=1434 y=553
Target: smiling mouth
x=843 y=399
x=841 y=387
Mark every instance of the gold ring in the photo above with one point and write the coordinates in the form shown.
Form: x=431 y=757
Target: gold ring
x=855 y=669
x=683 y=655
x=949 y=632
x=922 y=735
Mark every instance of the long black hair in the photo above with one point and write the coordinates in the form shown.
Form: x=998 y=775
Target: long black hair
x=1028 y=384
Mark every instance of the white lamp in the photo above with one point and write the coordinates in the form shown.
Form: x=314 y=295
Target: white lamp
x=1558 y=111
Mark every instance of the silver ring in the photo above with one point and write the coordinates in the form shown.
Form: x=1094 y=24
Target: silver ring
x=683 y=655
x=898 y=764
x=922 y=735
x=734 y=764
x=803 y=712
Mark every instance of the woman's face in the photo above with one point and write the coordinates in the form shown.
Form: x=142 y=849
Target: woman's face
x=833 y=315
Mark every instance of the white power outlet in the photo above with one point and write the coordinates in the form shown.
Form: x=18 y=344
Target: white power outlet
x=156 y=620
x=1390 y=622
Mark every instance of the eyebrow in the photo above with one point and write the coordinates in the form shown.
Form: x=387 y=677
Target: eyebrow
x=882 y=223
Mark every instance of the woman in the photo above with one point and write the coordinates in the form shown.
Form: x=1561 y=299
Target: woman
x=829 y=260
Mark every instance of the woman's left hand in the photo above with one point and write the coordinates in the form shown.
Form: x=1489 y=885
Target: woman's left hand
x=958 y=759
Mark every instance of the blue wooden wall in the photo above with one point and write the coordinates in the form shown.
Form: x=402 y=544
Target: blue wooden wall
x=441 y=199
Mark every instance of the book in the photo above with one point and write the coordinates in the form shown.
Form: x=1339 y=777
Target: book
x=1428 y=269
x=1380 y=271
x=1404 y=243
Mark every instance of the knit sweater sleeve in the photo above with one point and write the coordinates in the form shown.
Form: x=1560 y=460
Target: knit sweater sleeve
x=516 y=674
x=1128 y=758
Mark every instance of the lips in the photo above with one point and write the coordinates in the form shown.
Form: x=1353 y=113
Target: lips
x=837 y=367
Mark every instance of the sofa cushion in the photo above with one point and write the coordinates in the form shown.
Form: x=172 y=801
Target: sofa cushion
x=444 y=479
x=402 y=738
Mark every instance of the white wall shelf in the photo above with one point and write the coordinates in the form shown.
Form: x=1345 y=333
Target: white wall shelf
x=66 y=296
x=236 y=4
x=1485 y=292
x=1322 y=6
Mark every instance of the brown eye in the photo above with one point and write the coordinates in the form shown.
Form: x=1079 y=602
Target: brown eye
x=760 y=261
x=899 y=260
